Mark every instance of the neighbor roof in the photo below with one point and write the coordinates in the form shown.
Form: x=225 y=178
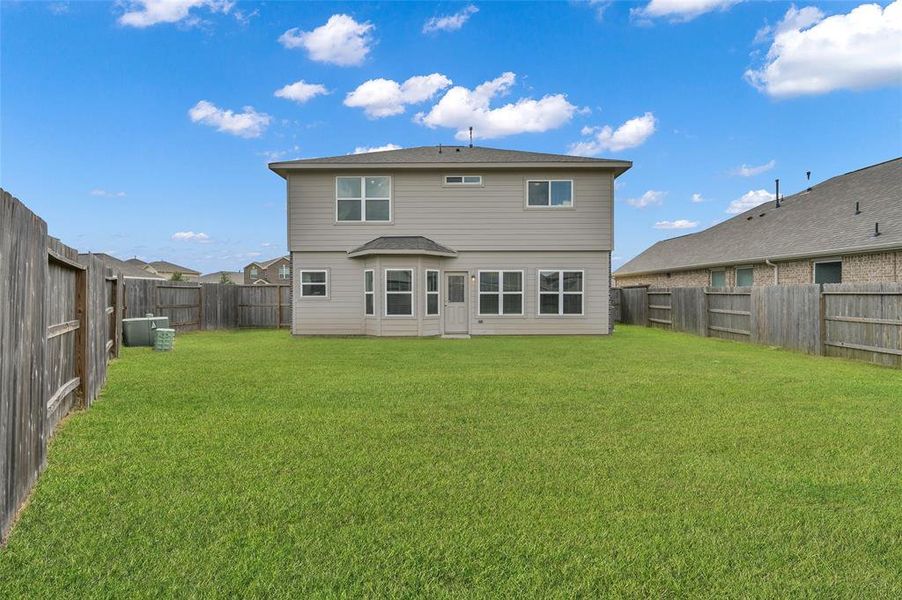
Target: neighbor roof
x=458 y=156
x=264 y=264
x=234 y=276
x=402 y=244
x=128 y=268
x=168 y=267
x=820 y=221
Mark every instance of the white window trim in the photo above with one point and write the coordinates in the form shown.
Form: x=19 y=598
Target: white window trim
x=436 y=293
x=742 y=268
x=834 y=259
x=461 y=183
x=284 y=272
x=363 y=199
x=301 y=284
x=412 y=293
x=549 y=205
x=501 y=293
x=560 y=293
x=370 y=293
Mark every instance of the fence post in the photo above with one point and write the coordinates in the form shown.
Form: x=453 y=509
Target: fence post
x=647 y=322
x=81 y=337
x=821 y=321
x=704 y=312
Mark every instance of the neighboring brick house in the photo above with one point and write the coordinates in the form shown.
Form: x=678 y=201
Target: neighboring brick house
x=273 y=271
x=847 y=229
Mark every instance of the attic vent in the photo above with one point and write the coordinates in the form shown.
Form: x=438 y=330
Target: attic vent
x=749 y=218
x=762 y=214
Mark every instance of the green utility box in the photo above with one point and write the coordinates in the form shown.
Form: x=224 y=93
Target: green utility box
x=164 y=339
x=140 y=331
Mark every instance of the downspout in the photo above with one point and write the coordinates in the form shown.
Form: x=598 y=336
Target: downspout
x=776 y=270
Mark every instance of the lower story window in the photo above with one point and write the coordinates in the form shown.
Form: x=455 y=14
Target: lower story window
x=500 y=292
x=399 y=292
x=718 y=279
x=745 y=276
x=560 y=292
x=314 y=284
x=828 y=272
x=432 y=292
x=369 y=292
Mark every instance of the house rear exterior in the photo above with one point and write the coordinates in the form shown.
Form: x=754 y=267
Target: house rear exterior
x=847 y=229
x=450 y=241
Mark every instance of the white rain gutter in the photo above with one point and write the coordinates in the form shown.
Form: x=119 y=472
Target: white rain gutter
x=776 y=270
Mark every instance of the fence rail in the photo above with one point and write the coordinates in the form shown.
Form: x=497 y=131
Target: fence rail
x=860 y=321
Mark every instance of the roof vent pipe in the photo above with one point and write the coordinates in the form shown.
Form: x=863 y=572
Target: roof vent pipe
x=808 y=177
x=471 y=136
x=876 y=229
x=857 y=210
x=439 y=148
x=778 y=193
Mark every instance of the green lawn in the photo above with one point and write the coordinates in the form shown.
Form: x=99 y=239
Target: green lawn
x=644 y=464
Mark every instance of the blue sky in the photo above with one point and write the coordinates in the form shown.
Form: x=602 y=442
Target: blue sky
x=116 y=126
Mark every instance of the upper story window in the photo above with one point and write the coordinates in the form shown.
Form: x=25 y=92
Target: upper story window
x=284 y=272
x=463 y=179
x=253 y=271
x=363 y=199
x=553 y=193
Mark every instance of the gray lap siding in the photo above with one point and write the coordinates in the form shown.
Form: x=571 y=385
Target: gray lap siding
x=342 y=312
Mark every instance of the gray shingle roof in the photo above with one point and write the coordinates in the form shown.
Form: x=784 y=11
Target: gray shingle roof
x=407 y=244
x=430 y=155
x=264 y=264
x=234 y=276
x=818 y=222
x=128 y=268
x=168 y=267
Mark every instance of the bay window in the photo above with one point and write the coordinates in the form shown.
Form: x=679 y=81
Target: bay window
x=398 y=292
x=432 y=295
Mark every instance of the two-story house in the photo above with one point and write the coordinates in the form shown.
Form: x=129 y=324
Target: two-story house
x=273 y=271
x=450 y=241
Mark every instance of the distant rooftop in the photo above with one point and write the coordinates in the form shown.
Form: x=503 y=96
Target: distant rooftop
x=168 y=267
x=816 y=222
x=432 y=156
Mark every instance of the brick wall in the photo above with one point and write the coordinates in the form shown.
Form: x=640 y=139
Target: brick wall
x=856 y=268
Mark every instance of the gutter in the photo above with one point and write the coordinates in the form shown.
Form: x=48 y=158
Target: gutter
x=776 y=271
x=762 y=259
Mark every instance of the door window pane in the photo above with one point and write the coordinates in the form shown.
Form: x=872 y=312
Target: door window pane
x=456 y=288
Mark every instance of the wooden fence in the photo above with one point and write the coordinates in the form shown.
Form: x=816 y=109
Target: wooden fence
x=860 y=321
x=60 y=323
x=194 y=306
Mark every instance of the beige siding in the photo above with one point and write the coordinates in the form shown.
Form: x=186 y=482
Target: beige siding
x=342 y=313
x=491 y=217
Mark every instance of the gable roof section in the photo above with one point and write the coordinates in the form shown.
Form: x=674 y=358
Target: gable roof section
x=265 y=264
x=129 y=269
x=168 y=267
x=449 y=156
x=234 y=276
x=819 y=222
x=402 y=244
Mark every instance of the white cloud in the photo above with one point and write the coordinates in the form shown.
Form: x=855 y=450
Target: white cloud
x=649 y=198
x=58 y=8
x=385 y=97
x=461 y=108
x=190 y=236
x=811 y=54
x=341 y=41
x=679 y=10
x=697 y=198
x=678 y=224
x=301 y=91
x=247 y=124
x=106 y=193
x=450 y=22
x=276 y=155
x=630 y=134
x=145 y=13
x=749 y=200
x=365 y=149
x=750 y=171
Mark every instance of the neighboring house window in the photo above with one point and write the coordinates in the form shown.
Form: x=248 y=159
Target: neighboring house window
x=463 y=179
x=500 y=292
x=284 y=272
x=369 y=292
x=363 y=198
x=745 y=276
x=431 y=292
x=560 y=292
x=253 y=271
x=828 y=272
x=314 y=284
x=398 y=292
x=554 y=193
x=718 y=279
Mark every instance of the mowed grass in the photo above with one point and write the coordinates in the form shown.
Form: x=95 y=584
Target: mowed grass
x=254 y=464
